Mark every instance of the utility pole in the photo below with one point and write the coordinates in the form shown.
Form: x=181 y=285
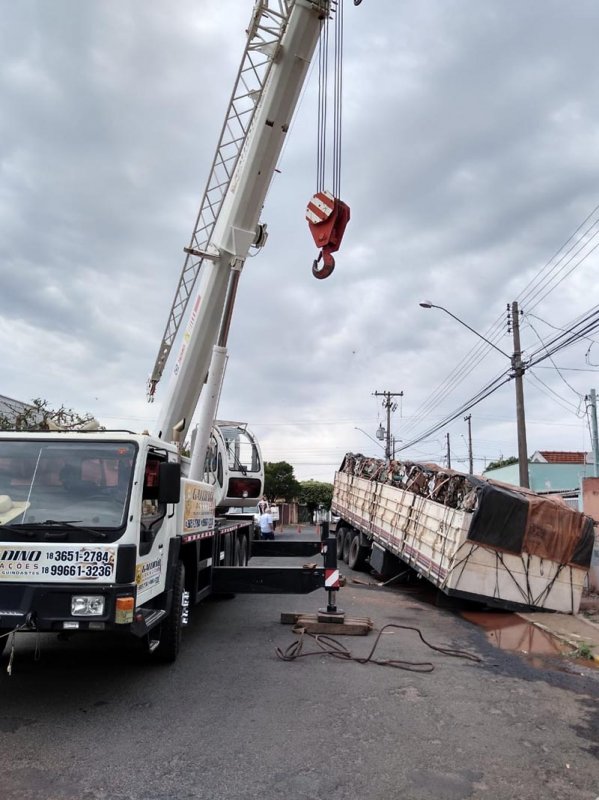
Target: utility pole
x=448 y=452
x=389 y=405
x=592 y=400
x=518 y=372
x=468 y=419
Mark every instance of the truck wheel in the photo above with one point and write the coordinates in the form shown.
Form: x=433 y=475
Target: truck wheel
x=357 y=554
x=346 y=543
x=169 y=631
x=340 y=536
x=243 y=552
x=237 y=553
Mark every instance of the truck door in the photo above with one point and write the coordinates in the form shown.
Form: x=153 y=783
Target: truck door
x=156 y=527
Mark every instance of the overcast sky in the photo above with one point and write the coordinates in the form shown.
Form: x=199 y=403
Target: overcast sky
x=470 y=157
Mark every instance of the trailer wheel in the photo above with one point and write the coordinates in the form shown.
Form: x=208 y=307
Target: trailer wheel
x=237 y=553
x=169 y=631
x=243 y=551
x=357 y=554
x=346 y=543
x=340 y=536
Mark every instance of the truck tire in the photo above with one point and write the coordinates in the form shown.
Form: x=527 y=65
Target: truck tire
x=346 y=543
x=237 y=553
x=169 y=631
x=243 y=551
x=340 y=536
x=357 y=554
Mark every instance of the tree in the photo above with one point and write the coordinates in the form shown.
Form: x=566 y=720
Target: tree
x=316 y=494
x=38 y=416
x=501 y=462
x=279 y=481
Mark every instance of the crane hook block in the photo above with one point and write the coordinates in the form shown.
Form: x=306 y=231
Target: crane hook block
x=327 y=219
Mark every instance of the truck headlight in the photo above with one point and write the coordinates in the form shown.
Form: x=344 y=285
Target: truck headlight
x=87 y=605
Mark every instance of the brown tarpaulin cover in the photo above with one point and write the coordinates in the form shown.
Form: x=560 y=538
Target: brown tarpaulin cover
x=517 y=520
x=552 y=530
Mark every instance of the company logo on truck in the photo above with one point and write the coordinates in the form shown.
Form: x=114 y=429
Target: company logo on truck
x=21 y=555
x=198 y=509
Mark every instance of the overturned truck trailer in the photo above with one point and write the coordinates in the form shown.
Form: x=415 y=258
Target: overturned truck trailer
x=471 y=537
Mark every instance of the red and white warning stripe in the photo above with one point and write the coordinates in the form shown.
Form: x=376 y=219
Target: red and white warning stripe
x=320 y=207
x=331 y=579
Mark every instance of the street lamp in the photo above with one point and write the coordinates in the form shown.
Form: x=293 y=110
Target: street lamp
x=428 y=304
x=518 y=372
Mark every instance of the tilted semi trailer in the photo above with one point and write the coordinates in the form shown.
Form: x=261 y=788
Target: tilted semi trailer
x=470 y=537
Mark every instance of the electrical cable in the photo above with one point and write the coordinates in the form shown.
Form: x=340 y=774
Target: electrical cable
x=329 y=646
x=554 y=364
x=479 y=397
x=565 y=404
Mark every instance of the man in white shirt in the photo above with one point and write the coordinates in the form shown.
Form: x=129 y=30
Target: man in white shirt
x=266 y=526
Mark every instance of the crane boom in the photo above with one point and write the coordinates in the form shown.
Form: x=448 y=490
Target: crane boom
x=265 y=32
x=234 y=227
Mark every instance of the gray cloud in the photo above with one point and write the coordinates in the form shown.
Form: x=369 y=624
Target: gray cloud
x=469 y=133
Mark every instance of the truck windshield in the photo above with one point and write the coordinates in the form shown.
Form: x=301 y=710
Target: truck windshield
x=79 y=484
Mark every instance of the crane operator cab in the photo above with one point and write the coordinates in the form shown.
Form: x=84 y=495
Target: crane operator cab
x=234 y=466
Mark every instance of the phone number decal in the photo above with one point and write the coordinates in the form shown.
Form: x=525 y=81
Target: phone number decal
x=61 y=564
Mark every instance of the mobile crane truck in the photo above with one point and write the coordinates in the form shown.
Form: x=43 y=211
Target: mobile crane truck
x=113 y=530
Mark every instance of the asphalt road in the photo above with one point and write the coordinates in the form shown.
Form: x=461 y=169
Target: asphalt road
x=90 y=719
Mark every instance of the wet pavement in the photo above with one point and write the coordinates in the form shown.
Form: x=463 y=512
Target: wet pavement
x=532 y=634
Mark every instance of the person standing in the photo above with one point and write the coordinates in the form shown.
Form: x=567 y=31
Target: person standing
x=266 y=526
x=263 y=505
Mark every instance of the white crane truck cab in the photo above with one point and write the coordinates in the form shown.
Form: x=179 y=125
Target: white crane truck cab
x=90 y=530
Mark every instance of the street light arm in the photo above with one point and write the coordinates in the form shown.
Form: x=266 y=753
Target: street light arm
x=428 y=304
x=370 y=437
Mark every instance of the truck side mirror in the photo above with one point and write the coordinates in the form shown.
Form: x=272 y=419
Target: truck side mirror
x=169 y=482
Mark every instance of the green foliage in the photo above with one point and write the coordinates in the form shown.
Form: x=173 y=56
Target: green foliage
x=501 y=462
x=584 y=651
x=315 y=494
x=280 y=482
x=38 y=416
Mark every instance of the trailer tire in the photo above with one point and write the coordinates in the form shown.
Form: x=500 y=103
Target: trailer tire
x=169 y=631
x=357 y=554
x=237 y=553
x=340 y=537
x=243 y=551
x=346 y=543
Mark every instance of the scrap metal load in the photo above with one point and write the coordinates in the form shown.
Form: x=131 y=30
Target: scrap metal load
x=471 y=537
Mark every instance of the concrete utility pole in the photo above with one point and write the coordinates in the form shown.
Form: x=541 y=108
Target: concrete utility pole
x=592 y=401
x=389 y=406
x=468 y=419
x=448 y=452
x=518 y=371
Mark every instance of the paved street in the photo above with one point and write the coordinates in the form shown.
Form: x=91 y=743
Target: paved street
x=91 y=720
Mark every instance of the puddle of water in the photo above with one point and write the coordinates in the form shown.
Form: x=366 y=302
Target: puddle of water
x=511 y=632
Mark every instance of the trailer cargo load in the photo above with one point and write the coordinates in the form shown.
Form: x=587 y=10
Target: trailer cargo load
x=470 y=537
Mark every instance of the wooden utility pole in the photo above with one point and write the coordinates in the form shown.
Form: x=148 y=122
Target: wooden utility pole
x=518 y=372
x=468 y=419
x=592 y=401
x=389 y=405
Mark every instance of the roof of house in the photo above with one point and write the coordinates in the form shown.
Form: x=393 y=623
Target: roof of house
x=10 y=407
x=561 y=457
